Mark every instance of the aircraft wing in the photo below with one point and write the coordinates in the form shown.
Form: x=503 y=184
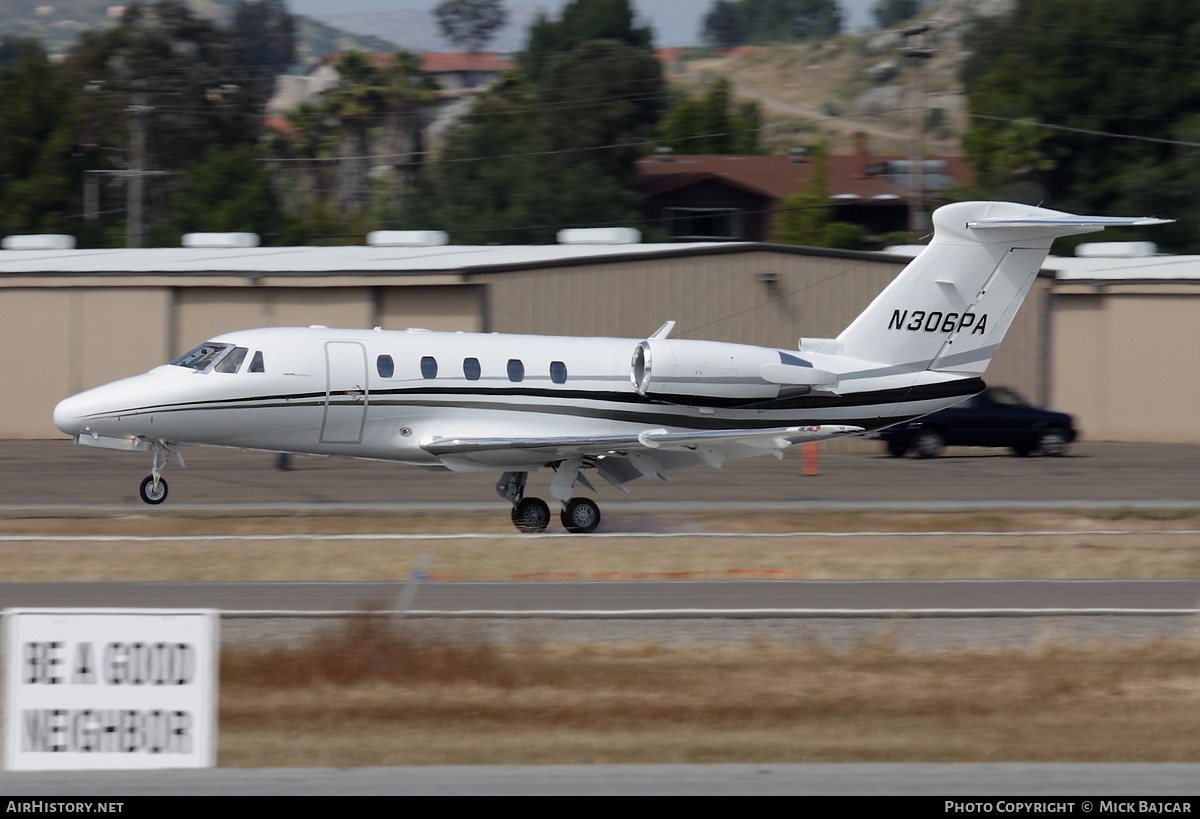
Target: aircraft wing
x=774 y=438
x=622 y=458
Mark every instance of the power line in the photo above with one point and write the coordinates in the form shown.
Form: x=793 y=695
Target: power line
x=1089 y=131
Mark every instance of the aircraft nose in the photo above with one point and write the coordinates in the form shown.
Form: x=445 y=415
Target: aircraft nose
x=71 y=415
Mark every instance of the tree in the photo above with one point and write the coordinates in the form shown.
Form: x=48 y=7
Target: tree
x=40 y=161
x=581 y=21
x=1106 y=68
x=805 y=217
x=470 y=24
x=372 y=119
x=771 y=21
x=707 y=125
x=723 y=26
x=265 y=35
x=227 y=189
x=890 y=13
x=554 y=145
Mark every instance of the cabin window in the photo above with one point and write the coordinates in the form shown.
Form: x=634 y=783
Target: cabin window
x=471 y=368
x=428 y=367
x=558 y=372
x=516 y=370
x=256 y=363
x=202 y=357
x=231 y=362
x=385 y=366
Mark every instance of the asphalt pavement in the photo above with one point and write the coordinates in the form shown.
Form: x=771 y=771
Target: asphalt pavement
x=40 y=474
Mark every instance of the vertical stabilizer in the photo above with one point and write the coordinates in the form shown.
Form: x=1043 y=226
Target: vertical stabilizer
x=950 y=307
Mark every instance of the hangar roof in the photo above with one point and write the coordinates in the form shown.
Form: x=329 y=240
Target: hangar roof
x=360 y=259
x=1149 y=268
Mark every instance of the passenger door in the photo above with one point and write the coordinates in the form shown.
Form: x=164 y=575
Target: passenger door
x=346 y=392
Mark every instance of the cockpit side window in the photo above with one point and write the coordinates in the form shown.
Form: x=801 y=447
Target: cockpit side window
x=202 y=357
x=256 y=363
x=231 y=362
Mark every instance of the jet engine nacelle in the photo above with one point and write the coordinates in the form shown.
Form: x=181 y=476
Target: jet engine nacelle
x=678 y=368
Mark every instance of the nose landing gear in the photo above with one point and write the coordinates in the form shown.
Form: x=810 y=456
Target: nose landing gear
x=154 y=489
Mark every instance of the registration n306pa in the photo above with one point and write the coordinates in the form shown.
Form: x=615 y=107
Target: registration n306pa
x=621 y=408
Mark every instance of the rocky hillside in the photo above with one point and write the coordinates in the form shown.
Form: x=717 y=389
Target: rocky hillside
x=865 y=84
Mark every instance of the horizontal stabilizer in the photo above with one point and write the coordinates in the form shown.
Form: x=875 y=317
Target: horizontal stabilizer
x=1069 y=220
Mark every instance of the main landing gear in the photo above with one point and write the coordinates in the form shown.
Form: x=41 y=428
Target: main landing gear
x=532 y=515
x=154 y=489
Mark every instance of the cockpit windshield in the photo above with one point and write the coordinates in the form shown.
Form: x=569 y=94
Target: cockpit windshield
x=201 y=358
x=231 y=362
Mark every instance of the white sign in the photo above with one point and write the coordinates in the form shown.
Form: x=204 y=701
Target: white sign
x=88 y=689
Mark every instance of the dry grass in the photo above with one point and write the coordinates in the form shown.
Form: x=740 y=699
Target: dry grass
x=369 y=696
x=1067 y=553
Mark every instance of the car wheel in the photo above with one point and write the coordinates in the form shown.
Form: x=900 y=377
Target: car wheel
x=1053 y=442
x=929 y=444
x=896 y=449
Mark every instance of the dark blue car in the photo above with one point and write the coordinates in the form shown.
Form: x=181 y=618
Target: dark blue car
x=995 y=417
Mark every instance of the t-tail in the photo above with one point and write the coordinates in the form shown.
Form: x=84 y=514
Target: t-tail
x=950 y=307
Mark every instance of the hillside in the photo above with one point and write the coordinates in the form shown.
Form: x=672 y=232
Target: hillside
x=833 y=89
x=58 y=24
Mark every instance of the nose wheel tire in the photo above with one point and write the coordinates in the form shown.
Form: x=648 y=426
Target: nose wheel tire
x=152 y=491
x=580 y=516
x=531 y=515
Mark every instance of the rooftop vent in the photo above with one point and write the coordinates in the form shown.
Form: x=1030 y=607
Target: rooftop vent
x=1116 y=250
x=220 y=240
x=600 y=236
x=407 y=238
x=39 y=241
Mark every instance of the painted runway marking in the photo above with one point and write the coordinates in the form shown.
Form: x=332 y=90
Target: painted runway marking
x=37 y=538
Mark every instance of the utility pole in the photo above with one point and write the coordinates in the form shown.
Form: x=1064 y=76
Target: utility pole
x=918 y=219
x=135 y=191
x=135 y=173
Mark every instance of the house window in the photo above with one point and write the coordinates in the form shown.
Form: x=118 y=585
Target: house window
x=703 y=223
x=516 y=370
x=385 y=366
x=471 y=368
x=428 y=367
x=558 y=372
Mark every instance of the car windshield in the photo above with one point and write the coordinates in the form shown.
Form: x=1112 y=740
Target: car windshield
x=202 y=357
x=1006 y=398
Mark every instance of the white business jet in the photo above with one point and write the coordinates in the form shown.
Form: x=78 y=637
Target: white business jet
x=623 y=408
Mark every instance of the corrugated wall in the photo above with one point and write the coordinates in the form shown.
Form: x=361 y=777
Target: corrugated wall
x=65 y=336
x=724 y=298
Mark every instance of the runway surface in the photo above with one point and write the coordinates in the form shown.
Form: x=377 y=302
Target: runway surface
x=997 y=780
x=55 y=475
x=48 y=479
x=756 y=599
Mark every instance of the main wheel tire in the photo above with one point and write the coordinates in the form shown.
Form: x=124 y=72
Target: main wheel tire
x=153 y=492
x=1053 y=442
x=531 y=515
x=580 y=516
x=929 y=444
x=896 y=449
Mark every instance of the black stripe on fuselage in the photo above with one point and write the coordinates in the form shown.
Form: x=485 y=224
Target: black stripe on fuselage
x=425 y=397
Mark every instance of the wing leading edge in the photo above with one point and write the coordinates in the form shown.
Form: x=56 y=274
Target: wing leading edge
x=775 y=438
